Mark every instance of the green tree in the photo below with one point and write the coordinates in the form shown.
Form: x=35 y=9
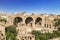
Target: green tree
x=10 y=32
x=45 y=36
x=57 y=23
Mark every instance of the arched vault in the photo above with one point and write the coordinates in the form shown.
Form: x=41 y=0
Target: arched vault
x=18 y=19
x=38 y=20
x=28 y=20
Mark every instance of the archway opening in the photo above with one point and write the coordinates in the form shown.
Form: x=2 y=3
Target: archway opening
x=17 y=20
x=38 y=20
x=28 y=20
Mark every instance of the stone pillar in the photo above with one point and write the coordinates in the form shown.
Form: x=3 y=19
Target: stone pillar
x=33 y=23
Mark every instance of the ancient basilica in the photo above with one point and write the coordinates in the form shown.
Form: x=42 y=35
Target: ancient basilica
x=28 y=22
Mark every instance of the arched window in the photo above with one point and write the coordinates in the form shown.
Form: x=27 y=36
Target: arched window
x=38 y=20
x=28 y=20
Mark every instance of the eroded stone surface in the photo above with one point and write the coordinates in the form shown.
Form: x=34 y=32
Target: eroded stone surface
x=26 y=23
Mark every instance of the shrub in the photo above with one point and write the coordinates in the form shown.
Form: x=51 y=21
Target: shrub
x=10 y=32
x=45 y=36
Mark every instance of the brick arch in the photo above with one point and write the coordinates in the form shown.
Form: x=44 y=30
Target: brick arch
x=17 y=19
x=38 y=20
x=28 y=20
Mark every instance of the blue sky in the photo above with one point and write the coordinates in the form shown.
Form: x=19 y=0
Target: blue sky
x=30 y=6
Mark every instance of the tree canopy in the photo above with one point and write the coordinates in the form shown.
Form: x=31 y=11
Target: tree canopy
x=45 y=36
x=10 y=32
x=57 y=23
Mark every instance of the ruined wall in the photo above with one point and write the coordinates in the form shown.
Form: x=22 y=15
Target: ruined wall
x=26 y=23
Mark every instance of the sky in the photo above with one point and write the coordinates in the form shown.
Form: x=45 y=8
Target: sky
x=30 y=6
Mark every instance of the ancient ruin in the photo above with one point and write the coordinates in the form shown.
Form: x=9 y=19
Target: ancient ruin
x=25 y=23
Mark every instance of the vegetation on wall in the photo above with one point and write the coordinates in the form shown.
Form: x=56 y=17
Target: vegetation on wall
x=10 y=32
x=3 y=20
x=57 y=23
x=45 y=36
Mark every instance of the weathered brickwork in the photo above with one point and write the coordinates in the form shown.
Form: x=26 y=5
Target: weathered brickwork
x=26 y=23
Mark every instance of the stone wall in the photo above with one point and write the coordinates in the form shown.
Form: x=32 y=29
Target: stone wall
x=26 y=23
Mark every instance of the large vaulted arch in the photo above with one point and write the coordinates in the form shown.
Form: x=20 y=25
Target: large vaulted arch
x=28 y=20
x=38 y=20
x=17 y=20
